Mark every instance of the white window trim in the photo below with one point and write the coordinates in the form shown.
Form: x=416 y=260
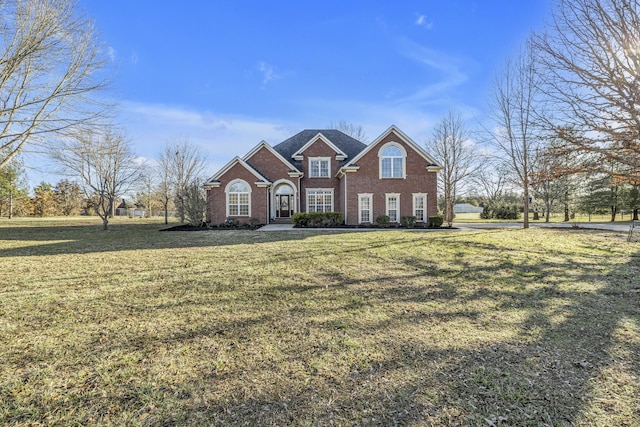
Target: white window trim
x=325 y=190
x=226 y=192
x=404 y=160
x=370 y=197
x=388 y=196
x=320 y=159
x=424 y=204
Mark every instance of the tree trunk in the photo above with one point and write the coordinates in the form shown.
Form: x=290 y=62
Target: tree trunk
x=10 y=202
x=613 y=213
x=566 y=213
x=448 y=209
x=105 y=222
x=547 y=212
x=166 y=211
x=526 y=206
x=635 y=214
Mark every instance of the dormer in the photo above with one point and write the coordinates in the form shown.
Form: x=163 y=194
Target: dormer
x=298 y=155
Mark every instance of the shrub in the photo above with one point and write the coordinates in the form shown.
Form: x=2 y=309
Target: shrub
x=486 y=213
x=500 y=211
x=230 y=223
x=318 y=219
x=383 y=221
x=435 y=221
x=254 y=222
x=408 y=221
x=300 y=219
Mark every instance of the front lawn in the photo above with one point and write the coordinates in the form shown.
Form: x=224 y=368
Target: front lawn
x=309 y=327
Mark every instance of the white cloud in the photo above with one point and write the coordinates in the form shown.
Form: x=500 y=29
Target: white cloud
x=111 y=53
x=267 y=72
x=134 y=57
x=421 y=21
x=220 y=137
x=450 y=72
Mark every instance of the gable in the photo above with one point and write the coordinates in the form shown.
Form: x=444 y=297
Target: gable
x=319 y=139
x=268 y=162
x=214 y=181
x=349 y=146
x=393 y=134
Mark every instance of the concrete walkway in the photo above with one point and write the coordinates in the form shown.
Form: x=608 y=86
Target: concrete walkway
x=276 y=227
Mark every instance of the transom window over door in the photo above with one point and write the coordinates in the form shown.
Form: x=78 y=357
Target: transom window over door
x=238 y=199
x=319 y=167
x=319 y=200
x=392 y=161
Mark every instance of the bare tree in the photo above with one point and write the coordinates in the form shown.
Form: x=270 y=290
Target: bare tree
x=185 y=164
x=145 y=188
x=452 y=148
x=106 y=166
x=590 y=63
x=49 y=72
x=354 y=131
x=195 y=202
x=164 y=187
x=514 y=101
x=490 y=180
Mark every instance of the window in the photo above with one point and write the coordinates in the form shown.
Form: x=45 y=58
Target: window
x=319 y=200
x=393 y=206
x=319 y=167
x=419 y=206
x=392 y=164
x=364 y=208
x=238 y=200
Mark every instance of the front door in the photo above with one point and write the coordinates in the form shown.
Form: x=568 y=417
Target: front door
x=283 y=205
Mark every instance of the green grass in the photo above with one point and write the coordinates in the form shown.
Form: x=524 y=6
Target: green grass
x=138 y=327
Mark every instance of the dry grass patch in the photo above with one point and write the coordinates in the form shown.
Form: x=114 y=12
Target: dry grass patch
x=137 y=327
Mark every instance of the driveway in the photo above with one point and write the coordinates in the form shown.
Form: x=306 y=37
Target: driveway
x=611 y=226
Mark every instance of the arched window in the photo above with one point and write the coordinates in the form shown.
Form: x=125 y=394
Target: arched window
x=238 y=198
x=392 y=161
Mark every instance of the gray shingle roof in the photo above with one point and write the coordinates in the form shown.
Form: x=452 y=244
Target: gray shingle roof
x=350 y=146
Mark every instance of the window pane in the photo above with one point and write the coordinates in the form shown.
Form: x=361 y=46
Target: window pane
x=397 y=168
x=392 y=202
x=365 y=209
x=238 y=187
x=386 y=168
x=324 y=168
x=392 y=152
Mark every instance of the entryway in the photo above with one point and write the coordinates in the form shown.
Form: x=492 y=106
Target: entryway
x=284 y=201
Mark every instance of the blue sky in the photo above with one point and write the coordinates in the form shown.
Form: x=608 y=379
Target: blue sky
x=228 y=74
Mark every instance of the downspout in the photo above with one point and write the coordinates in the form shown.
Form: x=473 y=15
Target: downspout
x=299 y=195
x=267 y=213
x=345 y=199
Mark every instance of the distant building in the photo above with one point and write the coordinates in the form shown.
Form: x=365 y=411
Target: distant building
x=466 y=208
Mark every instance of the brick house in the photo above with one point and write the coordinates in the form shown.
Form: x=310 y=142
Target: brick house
x=326 y=171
